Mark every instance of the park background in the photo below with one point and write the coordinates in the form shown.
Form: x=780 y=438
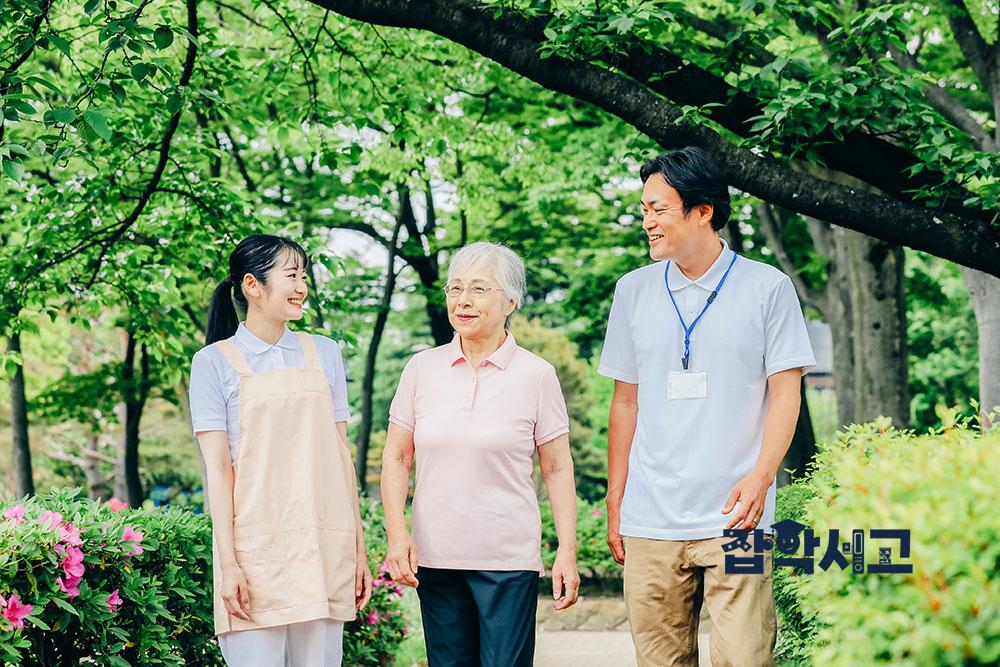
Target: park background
x=142 y=139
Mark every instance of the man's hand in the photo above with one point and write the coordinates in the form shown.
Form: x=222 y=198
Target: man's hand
x=750 y=492
x=615 y=542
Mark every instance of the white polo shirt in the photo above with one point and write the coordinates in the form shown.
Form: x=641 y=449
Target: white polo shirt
x=687 y=454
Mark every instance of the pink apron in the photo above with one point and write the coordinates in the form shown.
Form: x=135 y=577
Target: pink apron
x=293 y=498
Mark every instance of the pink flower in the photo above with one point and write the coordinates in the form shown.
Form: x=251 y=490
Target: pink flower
x=372 y=618
x=16 y=513
x=70 y=535
x=131 y=535
x=596 y=512
x=113 y=601
x=69 y=586
x=398 y=590
x=72 y=564
x=15 y=612
x=116 y=505
x=50 y=519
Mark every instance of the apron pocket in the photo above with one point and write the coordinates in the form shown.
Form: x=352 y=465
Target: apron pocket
x=265 y=565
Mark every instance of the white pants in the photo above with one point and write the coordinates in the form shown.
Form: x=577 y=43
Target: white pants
x=314 y=643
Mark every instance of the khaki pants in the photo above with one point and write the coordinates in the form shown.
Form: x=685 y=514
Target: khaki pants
x=666 y=582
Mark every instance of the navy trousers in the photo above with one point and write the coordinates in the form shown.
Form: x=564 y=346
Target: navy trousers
x=478 y=618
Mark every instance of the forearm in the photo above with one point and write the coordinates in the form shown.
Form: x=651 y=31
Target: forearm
x=556 y=463
x=219 y=477
x=395 y=485
x=562 y=495
x=621 y=430
x=784 y=401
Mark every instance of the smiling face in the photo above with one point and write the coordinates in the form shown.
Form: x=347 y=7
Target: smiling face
x=281 y=298
x=482 y=316
x=672 y=234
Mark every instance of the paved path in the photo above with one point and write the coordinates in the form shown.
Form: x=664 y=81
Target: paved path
x=593 y=633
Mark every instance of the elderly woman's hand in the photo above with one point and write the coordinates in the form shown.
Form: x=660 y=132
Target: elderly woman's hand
x=401 y=559
x=565 y=579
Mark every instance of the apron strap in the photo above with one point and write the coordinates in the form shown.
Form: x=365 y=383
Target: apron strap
x=309 y=350
x=235 y=357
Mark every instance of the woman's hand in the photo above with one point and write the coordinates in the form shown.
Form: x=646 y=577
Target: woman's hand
x=401 y=559
x=362 y=580
x=235 y=592
x=565 y=580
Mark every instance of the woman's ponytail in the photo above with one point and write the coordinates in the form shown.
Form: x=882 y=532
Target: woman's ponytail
x=222 y=319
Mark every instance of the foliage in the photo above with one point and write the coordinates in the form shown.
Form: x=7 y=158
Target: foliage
x=945 y=612
x=942 y=339
x=593 y=557
x=589 y=463
x=165 y=614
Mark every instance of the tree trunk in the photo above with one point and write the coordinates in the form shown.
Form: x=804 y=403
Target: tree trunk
x=24 y=485
x=368 y=383
x=984 y=294
x=128 y=484
x=878 y=322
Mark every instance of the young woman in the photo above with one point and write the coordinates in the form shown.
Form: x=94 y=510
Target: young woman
x=269 y=408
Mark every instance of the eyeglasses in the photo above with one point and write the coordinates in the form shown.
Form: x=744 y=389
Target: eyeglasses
x=475 y=291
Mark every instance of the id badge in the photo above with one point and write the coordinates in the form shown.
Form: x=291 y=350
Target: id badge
x=687 y=384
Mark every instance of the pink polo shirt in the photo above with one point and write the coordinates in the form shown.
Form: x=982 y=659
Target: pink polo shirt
x=474 y=433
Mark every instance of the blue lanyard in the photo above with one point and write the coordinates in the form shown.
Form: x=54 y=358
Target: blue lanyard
x=688 y=329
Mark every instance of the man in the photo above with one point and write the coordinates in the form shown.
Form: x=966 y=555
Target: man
x=707 y=350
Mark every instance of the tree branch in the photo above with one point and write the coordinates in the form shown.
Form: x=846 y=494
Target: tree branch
x=772 y=231
x=976 y=50
x=966 y=239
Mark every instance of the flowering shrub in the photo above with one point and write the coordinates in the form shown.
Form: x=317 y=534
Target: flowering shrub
x=81 y=581
x=373 y=638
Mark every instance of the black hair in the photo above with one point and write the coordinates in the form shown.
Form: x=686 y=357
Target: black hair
x=697 y=179
x=257 y=255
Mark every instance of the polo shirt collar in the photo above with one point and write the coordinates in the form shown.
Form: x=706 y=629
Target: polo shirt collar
x=258 y=346
x=708 y=280
x=500 y=358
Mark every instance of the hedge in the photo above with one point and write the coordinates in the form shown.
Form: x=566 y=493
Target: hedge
x=943 y=488
x=79 y=581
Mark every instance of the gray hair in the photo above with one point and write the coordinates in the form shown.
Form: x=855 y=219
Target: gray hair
x=506 y=267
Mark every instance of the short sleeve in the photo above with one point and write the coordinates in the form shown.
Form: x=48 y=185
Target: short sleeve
x=402 y=410
x=207 y=396
x=618 y=355
x=551 y=419
x=333 y=366
x=786 y=338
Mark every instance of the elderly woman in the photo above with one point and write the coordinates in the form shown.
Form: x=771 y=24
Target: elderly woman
x=472 y=413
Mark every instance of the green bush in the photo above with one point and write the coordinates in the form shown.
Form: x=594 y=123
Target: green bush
x=942 y=487
x=796 y=631
x=163 y=579
x=593 y=557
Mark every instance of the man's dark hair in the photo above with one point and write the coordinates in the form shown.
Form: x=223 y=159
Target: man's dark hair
x=697 y=179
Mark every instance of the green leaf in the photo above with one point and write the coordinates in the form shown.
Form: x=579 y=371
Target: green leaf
x=66 y=606
x=163 y=37
x=191 y=38
x=63 y=115
x=95 y=119
x=13 y=169
x=59 y=42
x=91 y=7
x=118 y=92
x=21 y=106
x=175 y=103
x=140 y=71
x=44 y=82
x=38 y=623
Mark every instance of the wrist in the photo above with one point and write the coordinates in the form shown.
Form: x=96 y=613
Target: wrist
x=765 y=475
